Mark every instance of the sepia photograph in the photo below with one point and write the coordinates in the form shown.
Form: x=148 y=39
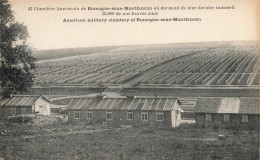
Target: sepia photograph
x=129 y=80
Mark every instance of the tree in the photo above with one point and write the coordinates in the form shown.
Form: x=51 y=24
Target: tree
x=16 y=60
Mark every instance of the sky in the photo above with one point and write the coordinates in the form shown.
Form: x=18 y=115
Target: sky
x=48 y=31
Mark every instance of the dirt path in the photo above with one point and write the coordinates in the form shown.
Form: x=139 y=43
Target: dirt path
x=72 y=96
x=53 y=134
x=56 y=134
x=200 y=139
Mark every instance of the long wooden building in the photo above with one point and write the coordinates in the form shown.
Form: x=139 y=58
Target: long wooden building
x=150 y=111
x=227 y=112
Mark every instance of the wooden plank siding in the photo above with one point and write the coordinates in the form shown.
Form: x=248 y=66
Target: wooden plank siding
x=235 y=121
x=119 y=117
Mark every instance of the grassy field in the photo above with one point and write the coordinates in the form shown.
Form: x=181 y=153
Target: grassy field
x=69 y=142
x=151 y=91
x=193 y=92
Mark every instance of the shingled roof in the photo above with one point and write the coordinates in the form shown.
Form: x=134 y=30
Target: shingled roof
x=137 y=103
x=235 y=105
x=21 y=100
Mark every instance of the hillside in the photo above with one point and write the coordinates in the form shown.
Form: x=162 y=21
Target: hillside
x=68 y=52
x=192 y=64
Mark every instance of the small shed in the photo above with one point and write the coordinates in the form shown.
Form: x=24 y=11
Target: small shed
x=227 y=112
x=149 y=111
x=24 y=104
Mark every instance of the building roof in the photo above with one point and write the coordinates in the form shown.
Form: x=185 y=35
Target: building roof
x=235 y=105
x=249 y=105
x=21 y=100
x=123 y=103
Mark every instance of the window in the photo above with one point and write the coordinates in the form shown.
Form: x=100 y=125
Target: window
x=109 y=116
x=130 y=115
x=13 y=111
x=76 y=114
x=159 y=116
x=226 y=118
x=144 y=115
x=89 y=114
x=23 y=110
x=245 y=118
x=208 y=117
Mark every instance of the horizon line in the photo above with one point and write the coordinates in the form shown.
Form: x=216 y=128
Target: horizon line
x=123 y=45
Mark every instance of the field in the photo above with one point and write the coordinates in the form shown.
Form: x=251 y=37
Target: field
x=62 y=53
x=67 y=141
x=192 y=64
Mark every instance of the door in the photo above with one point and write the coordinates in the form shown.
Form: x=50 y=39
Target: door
x=178 y=118
x=235 y=120
x=173 y=118
x=43 y=109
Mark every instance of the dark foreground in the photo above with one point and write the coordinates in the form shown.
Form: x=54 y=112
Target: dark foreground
x=70 y=142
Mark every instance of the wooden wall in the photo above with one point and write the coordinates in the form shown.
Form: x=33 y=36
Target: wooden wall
x=120 y=118
x=6 y=111
x=235 y=121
